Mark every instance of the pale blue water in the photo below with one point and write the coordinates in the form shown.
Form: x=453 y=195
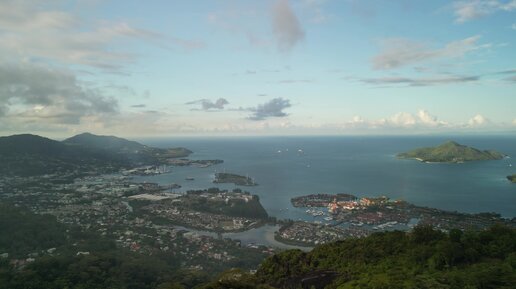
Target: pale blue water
x=363 y=166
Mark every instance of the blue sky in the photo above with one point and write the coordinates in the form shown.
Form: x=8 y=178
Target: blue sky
x=162 y=68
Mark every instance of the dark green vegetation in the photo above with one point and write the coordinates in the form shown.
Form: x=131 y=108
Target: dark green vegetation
x=57 y=265
x=28 y=155
x=425 y=258
x=43 y=253
x=450 y=152
x=235 y=179
x=512 y=178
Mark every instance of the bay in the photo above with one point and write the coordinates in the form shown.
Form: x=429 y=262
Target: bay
x=285 y=167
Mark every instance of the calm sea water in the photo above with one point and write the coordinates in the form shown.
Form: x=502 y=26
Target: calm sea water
x=286 y=167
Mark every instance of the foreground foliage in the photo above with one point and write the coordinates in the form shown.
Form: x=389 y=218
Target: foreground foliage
x=425 y=258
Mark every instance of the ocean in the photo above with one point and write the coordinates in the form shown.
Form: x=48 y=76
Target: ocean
x=285 y=167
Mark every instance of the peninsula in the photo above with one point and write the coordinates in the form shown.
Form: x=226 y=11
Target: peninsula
x=450 y=152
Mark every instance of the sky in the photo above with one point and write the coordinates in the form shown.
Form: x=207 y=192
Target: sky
x=270 y=67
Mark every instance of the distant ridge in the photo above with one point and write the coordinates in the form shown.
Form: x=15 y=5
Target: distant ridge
x=104 y=142
x=28 y=154
x=450 y=152
x=130 y=150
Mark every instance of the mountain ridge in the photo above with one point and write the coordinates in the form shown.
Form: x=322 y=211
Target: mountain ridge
x=28 y=154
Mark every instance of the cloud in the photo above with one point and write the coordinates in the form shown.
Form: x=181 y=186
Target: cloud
x=272 y=108
x=207 y=104
x=513 y=26
x=511 y=79
x=429 y=120
x=398 y=52
x=41 y=31
x=286 y=27
x=469 y=10
x=3 y=110
x=401 y=120
x=31 y=93
x=478 y=121
x=420 y=81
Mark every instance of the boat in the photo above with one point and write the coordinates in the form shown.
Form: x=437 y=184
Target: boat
x=189 y=178
x=328 y=218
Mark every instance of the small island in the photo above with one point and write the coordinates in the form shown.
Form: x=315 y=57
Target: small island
x=512 y=178
x=450 y=152
x=234 y=178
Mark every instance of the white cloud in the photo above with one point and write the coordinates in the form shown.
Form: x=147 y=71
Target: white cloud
x=286 y=26
x=478 y=121
x=427 y=119
x=402 y=120
x=42 y=31
x=397 y=52
x=470 y=10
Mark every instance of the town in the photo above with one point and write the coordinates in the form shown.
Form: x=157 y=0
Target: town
x=145 y=217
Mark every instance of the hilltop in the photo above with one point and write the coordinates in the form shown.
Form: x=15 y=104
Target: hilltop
x=28 y=155
x=450 y=152
x=130 y=150
x=111 y=143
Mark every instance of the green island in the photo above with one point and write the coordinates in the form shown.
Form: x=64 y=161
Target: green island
x=450 y=152
x=512 y=178
x=234 y=179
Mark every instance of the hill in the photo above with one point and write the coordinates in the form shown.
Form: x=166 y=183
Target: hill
x=28 y=155
x=450 y=152
x=130 y=150
x=111 y=143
